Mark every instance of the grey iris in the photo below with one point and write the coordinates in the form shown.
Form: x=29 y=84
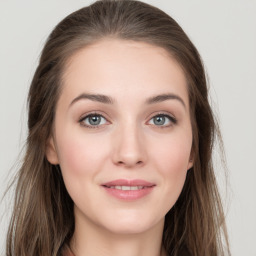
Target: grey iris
x=94 y=120
x=159 y=120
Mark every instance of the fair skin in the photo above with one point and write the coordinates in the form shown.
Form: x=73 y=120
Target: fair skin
x=130 y=138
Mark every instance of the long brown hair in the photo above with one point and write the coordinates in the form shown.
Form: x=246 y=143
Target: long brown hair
x=43 y=220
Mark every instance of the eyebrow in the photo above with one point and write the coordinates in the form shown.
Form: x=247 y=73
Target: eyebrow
x=109 y=100
x=164 y=97
x=94 y=97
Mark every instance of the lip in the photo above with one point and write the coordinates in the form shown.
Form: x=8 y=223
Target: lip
x=124 y=182
x=128 y=195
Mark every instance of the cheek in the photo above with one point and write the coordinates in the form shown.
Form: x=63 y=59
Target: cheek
x=171 y=160
x=80 y=155
x=173 y=154
x=81 y=158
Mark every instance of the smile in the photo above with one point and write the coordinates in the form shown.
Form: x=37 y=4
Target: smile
x=128 y=190
x=127 y=187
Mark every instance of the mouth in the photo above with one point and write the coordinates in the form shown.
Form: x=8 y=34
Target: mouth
x=128 y=183
x=128 y=189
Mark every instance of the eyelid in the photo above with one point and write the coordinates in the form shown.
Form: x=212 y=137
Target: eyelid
x=171 y=117
x=93 y=113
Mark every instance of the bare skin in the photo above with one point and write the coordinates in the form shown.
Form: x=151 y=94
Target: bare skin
x=130 y=134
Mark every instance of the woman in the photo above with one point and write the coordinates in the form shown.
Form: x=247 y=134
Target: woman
x=119 y=149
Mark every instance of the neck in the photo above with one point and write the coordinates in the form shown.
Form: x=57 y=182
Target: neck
x=91 y=239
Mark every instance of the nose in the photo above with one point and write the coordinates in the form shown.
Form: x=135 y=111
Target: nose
x=129 y=147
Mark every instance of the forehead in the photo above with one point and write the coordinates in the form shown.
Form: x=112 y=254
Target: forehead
x=121 y=68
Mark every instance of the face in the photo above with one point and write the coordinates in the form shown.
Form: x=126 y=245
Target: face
x=122 y=134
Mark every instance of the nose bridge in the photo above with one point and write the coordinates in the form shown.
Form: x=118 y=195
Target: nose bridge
x=129 y=146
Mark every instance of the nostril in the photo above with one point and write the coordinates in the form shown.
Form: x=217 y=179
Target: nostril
x=126 y=163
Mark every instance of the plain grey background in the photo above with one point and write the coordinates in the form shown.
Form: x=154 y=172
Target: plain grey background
x=224 y=33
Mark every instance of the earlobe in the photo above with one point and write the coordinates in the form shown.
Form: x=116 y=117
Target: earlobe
x=191 y=161
x=190 y=164
x=51 y=153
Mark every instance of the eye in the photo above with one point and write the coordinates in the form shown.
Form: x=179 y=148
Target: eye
x=163 y=120
x=93 y=120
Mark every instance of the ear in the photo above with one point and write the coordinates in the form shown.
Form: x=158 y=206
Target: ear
x=51 y=153
x=191 y=161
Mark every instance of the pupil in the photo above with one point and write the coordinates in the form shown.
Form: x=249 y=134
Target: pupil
x=159 y=120
x=94 y=120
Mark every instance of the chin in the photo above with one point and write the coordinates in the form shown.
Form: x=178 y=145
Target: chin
x=127 y=229
x=132 y=224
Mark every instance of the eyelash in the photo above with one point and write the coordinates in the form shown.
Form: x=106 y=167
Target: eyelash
x=172 y=119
